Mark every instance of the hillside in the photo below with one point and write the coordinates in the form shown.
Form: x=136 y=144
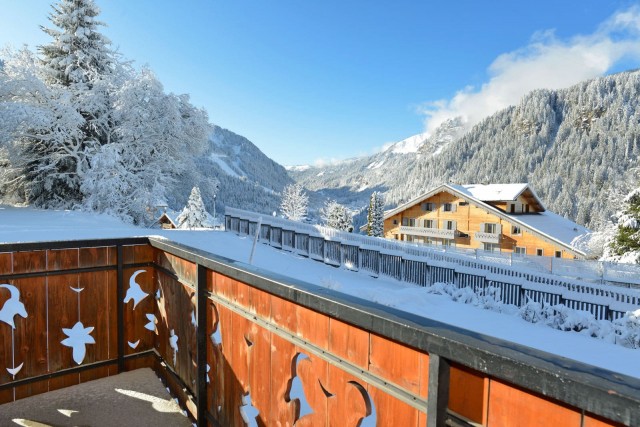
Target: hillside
x=245 y=176
x=578 y=147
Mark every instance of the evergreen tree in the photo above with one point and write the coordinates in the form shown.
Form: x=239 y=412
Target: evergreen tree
x=294 y=202
x=194 y=215
x=76 y=66
x=337 y=216
x=375 y=217
x=626 y=242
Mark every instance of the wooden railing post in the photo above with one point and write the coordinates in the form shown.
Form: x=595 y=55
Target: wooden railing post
x=201 y=345
x=120 y=306
x=438 y=397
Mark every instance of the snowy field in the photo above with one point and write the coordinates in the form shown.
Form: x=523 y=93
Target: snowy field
x=29 y=225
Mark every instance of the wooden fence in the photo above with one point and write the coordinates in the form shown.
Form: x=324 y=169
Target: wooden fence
x=233 y=341
x=424 y=267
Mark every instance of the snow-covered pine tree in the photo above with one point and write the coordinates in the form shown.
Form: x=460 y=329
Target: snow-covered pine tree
x=375 y=216
x=294 y=202
x=194 y=215
x=626 y=242
x=337 y=216
x=76 y=67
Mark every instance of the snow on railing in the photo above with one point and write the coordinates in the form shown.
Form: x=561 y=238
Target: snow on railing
x=559 y=275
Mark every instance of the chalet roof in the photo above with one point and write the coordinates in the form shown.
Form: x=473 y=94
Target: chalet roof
x=546 y=224
x=497 y=192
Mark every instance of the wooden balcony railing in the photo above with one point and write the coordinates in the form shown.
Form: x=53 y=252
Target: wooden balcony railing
x=428 y=232
x=226 y=337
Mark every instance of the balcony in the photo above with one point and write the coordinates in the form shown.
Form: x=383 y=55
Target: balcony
x=484 y=237
x=229 y=339
x=428 y=232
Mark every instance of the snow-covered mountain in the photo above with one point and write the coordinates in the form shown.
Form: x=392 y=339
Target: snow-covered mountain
x=353 y=180
x=245 y=177
x=578 y=147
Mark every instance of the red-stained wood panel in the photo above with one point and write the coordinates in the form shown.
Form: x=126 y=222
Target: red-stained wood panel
x=93 y=257
x=349 y=342
x=232 y=390
x=224 y=286
x=259 y=372
x=31 y=335
x=62 y=259
x=164 y=305
x=32 y=389
x=216 y=363
x=143 y=253
x=111 y=279
x=6 y=265
x=283 y=313
x=312 y=326
x=283 y=410
x=391 y=411
x=29 y=262
x=63 y=313
x=346 y=406
x=590 y=420
x=424 y=385
x=260 y=303
x=313 y=373
x=395 y=362
x=94 y=298
x=6 y=396
x=135 y=319
x=468 y=392
x=510 y=406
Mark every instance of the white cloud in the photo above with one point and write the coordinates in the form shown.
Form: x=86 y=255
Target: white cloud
x=546 y=63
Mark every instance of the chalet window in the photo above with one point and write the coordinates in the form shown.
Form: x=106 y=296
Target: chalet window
x=395 y=222
x=512 y=208
x=491 y=228
x=527 y=208
x=409 y=222
x=515 y=230
x=448 y=242
x=558 y=254
x=540 y=252
x=428 y=207
x=408 y=238
x=449 y=207
x=449 y=225
x=430 y=223
x=520 y=251
x=491 y=247
x=463 y=203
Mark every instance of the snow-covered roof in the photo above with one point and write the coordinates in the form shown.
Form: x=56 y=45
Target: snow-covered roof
x=552 y=225
x=493 y=192
x=545 y=224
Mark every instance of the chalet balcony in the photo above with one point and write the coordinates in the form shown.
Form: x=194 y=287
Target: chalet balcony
x=230 y=341
x=428 y=232
x=484 y=237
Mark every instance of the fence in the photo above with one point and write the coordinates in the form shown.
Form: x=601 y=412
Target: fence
x=424 y=266
x=231 y=340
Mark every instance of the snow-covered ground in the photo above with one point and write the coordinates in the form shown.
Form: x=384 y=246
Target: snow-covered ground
x=28 y=225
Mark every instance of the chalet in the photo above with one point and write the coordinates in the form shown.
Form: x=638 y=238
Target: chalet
x=494 y=217
x=168 y=220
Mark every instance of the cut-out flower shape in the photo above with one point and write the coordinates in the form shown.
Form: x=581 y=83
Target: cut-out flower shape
x=79 y=337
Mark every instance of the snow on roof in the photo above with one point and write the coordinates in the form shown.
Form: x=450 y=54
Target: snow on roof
x=553 y=225
x=492 y=192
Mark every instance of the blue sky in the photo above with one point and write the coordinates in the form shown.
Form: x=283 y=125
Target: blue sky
x=311 y=81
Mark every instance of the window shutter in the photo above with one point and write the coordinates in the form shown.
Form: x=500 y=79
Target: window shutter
x=454 y=225
x=482 y=227
x=454 y=207
x=498 y=228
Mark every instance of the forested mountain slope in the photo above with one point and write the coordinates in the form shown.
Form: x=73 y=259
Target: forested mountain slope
x=246 y=178
x=578 y=147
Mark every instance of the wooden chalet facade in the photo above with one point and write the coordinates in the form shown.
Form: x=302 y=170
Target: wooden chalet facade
x=495 y=217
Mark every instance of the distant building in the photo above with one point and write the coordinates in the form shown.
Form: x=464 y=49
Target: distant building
x=494 y=217
x=168 y=220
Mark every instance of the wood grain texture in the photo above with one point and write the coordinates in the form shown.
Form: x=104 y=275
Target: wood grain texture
x=509 y=406
x=29 y=262
x=395 y=362
x=467 y=391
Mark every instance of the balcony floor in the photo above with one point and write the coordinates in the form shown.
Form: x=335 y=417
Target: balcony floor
x=135 y=398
